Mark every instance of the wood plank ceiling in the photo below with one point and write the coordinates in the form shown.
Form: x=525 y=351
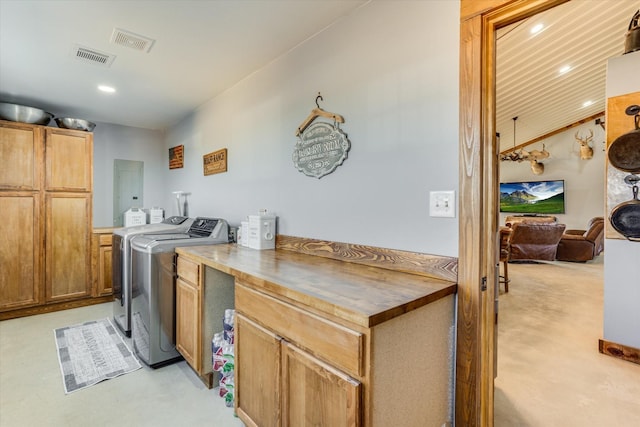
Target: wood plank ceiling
x=581 y=34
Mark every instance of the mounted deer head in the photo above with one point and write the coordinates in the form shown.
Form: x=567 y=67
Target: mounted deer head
x=536 y=167
x=533 y=156
x=586 y=150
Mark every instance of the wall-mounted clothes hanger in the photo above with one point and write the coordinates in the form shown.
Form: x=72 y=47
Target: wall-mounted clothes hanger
x=318 y=112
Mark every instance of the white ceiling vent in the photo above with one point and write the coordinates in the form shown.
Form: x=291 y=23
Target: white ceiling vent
x=92 y=56
x=131 y=40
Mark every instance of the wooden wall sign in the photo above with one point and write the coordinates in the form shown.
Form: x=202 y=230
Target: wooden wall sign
x=176 y=157
x=215 y=162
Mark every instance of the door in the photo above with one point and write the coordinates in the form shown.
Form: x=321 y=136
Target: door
x=316 y=394
x=68 y=246
x=258 y=374
x=128 y=184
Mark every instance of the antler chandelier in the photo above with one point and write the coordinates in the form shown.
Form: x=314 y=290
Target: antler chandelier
x=522 y=155
x=515 y=156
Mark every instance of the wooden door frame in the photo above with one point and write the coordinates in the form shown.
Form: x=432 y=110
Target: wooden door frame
x=478 y=223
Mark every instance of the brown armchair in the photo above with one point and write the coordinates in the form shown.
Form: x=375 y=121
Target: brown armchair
x=535 y=241
x=582 y=245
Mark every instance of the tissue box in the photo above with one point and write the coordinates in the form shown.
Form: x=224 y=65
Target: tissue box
x=134 y=216
x=262 y=232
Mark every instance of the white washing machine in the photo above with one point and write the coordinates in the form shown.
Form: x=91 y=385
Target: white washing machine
x=153 y=263
x=121 y=263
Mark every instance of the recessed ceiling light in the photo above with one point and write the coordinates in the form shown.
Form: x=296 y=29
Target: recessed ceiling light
x=565 y=69
x=537 y=28
x=107 y=89
x=587 y=103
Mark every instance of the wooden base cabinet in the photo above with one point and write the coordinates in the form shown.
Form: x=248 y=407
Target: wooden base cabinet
x=102 y=261
x=314 y=393
x=202 y=296
x=280 y=384
x=258 y=378
x=298 y=368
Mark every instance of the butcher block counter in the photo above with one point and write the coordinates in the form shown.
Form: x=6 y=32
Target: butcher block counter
x=322 y=341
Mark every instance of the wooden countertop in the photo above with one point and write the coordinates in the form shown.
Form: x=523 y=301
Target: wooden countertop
x=357 y=293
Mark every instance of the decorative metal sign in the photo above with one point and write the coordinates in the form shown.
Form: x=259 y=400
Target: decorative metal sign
x=215 y=162
x=320 y=149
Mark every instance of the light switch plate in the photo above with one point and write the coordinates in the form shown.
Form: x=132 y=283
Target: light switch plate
x=442 y=204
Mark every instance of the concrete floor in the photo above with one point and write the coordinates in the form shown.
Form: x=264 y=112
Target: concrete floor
x=550 y=372
x=32 y=394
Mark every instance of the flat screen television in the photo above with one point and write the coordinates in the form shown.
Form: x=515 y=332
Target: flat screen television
x=532 y=197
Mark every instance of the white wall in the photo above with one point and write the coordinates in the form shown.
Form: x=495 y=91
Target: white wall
x=622 y=257
x=391 y=69
x=112 y=142
x=583 y=179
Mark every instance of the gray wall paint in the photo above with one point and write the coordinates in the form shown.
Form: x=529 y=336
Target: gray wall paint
x=622 y=257
x=112 y=142
x=391 y=69
x=583 y=179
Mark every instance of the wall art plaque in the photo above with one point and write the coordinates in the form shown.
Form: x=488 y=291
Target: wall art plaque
x=321 y=146
x=176 y=157
x=215 y=162
x=320 y=149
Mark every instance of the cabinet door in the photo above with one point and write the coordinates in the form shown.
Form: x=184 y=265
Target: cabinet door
x=188 y=323
x=69 y=159
x=21 y=154
x=105 y=257
x=316 y=394
x=68 y=246
x=257 y=376
x=20 y=250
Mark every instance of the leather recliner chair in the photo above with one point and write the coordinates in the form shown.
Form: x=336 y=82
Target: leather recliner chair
x=582 y=245
x=535 y=241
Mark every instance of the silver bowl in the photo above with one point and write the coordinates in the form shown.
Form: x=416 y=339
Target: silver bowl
x=77 y=124
x=24 y=114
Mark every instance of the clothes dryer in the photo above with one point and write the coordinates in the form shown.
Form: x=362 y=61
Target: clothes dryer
x=153 y=262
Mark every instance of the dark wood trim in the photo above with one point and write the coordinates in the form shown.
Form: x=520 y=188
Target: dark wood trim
x=49 y=308
x=435 y=266
x=619 y=351
x=554 y=132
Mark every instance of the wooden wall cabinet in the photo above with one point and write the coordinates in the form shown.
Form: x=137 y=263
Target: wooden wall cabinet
x=202 y=296
x=46 y=183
